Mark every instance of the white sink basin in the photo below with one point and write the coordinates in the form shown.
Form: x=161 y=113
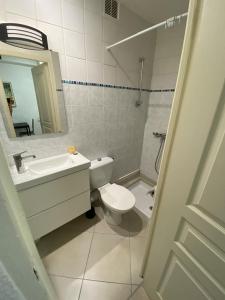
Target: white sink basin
x=39 y=171
x=54 y=163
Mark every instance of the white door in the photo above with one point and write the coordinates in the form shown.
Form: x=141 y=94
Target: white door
x=17 y=272
x=22 y=274
x=44 y=97
x=186 y=255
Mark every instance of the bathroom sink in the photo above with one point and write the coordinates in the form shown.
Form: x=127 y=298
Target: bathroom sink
x=40 y=171
x=54 y=163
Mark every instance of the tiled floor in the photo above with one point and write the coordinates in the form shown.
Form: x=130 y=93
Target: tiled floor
x=89 y=259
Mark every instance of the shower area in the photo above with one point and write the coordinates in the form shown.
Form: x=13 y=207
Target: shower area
x=167 y=54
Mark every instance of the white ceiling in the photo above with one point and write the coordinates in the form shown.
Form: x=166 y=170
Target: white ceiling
x=155 y=11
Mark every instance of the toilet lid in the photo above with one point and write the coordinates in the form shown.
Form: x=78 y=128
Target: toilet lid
x=117 y=197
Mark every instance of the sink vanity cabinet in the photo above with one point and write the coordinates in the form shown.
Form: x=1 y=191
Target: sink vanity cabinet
x=50 y=205
x=52 y=200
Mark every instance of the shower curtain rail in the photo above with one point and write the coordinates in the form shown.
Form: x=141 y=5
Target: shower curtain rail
x=168 y=23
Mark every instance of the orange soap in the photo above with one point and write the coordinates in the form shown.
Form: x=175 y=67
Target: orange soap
x=72 y=149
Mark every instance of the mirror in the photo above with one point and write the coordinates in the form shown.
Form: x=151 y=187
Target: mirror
x=31 y=97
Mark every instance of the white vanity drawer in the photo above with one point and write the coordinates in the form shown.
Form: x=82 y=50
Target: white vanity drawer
x=48 y=220
x=44 y=196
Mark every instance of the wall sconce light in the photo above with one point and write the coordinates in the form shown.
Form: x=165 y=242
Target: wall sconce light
x=23 y=36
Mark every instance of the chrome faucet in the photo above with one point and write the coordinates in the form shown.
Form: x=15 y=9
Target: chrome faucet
x=19 y=161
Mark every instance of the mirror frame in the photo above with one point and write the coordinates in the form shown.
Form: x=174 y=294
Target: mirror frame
x=52 y=59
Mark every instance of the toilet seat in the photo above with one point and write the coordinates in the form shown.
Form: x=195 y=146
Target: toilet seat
x=117 y=197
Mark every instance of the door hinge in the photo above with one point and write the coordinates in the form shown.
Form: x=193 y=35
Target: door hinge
x=36 y=273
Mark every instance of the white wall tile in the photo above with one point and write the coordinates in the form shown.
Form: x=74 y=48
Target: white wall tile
x=111 y=97
x=166 y=65
x=110 y=114
x=10 y=17
x=95 y=95
x=94 y=6
x=93 y=24
x=2 y=17
x=62 y=61
x=135 y=78
x=2 y=11
x=73 y=15
x=74 y=44
x=93 y=48
x=78 y=95
x=109 y=74
x=49 y=11
x=94 y=72
x=79 y=3
x=76 y=69
x=128 y=26
x=95 y=114
x=108 y=58
x=110 y=31
x=55 y=36
x=122 y=77
x=22 y=7
x=170 y=48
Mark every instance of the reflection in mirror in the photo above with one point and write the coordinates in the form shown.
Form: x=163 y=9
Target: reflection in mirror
x=28 y=100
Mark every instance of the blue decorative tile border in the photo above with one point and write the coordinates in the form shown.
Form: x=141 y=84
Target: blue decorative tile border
x=162 y=91
x=114 y=86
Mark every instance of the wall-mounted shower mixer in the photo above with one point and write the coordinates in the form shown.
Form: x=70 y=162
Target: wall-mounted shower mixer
x=159 y=134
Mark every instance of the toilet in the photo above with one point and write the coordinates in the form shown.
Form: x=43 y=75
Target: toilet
x=116 y=198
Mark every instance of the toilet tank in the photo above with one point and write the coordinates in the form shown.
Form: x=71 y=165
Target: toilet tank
x=101 y=171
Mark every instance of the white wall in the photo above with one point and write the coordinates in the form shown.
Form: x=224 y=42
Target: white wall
x=102 y=121
x=23 y=88
x=165 y=69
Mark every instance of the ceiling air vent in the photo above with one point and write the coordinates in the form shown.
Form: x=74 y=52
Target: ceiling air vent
x=112 y=8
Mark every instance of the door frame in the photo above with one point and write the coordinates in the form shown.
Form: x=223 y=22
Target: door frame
x=175 y=109
x=45 y=69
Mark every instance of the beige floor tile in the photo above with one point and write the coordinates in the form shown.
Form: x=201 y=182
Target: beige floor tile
x=64 y=234
x=103 y=227
x=109 y=259
x=137 y=245
x=132 y=224
x=136 y=224
x=138 y=293
x=70 y=259
x=66 y=288
x=93 y=290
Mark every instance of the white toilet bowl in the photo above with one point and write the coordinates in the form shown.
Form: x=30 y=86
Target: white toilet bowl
x=117 y=200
